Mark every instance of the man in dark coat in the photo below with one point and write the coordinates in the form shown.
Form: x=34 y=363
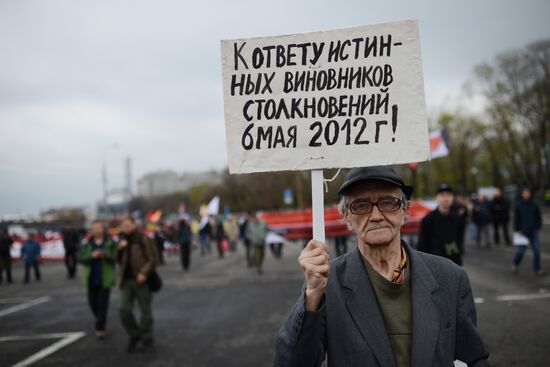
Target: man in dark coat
x=383 y=304
x=5 y=255
x=440 y=230
x=499 y=208
x=528 y=222
x=185 y=237
x=138 y=258
x=71 y=241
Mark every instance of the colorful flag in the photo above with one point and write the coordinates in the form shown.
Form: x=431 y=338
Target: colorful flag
x=439 y=144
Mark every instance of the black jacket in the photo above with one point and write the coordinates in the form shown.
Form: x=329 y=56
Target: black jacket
x=499 y=210
x=527 y=217
x=437 y=230
x=5 y=245
x=348 y=329
x=71 y=240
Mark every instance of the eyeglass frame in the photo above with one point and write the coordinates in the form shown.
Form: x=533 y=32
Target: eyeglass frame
x=399 y=201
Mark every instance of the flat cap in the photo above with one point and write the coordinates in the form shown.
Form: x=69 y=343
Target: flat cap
x=444 y=188
x=374 y=173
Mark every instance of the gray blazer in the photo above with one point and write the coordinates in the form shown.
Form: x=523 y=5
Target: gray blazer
x=349 y=327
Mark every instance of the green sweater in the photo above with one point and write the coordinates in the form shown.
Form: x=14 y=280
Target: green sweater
x=108 y=266
x=396 y=307
x=256 y=232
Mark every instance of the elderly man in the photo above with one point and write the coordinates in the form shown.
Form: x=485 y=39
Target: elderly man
x=383 y=304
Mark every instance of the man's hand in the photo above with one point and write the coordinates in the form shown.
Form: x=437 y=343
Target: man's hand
x=96 y=254
x=122 y=244
x=140 y=279
x=314 y=261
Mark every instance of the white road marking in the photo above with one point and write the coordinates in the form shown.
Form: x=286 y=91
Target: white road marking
x=66 y=339
x=25 y=305
x=4 y=301
x=479 y=300
x=522 y=297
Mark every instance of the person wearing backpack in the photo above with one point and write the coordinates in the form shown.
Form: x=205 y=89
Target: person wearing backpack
x=98 y=256
x=137 y=257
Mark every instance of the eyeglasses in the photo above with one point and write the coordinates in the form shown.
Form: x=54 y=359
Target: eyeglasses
x=365 y=207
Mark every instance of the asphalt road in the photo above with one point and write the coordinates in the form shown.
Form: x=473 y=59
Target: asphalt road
x=224 y=314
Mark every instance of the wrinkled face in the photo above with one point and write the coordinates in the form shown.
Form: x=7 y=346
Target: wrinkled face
x=445 y=200
x=97 y=230
x=127 y=226
x=375 y=228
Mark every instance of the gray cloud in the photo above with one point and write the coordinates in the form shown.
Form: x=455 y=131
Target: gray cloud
x=78 y=76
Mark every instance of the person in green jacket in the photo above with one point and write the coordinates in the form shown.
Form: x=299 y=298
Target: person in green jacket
x=98 y=257
x=256 y=230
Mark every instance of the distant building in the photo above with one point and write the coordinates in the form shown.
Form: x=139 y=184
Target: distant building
x=115 y=204
x=158 y=183
x=169 y=182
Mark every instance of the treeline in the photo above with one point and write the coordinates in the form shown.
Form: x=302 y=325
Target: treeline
x=508 y=143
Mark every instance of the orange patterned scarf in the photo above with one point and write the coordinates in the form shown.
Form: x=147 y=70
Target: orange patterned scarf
x=399 y=274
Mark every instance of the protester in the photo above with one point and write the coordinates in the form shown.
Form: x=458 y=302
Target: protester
x=160 y=239
x=205 y=232
x=528 y=222
x=5 y=255
x=243 y=224
x=440 y=230
x=256 y=231
x=232 y=231
x=184 y=240
x=217 y=234
x=499 y=208
x=383 y=304
x=137 y=257
x=460 y=209
x=30 y=252
x=481 y=218
x=275 y=242
x=71 y=241
x=98 y=257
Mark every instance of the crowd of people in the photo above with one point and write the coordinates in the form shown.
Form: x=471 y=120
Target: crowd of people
x=223 y=235
x=137 y=250
x=442 y=231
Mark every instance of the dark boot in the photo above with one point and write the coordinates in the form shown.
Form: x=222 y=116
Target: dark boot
x=132 y=344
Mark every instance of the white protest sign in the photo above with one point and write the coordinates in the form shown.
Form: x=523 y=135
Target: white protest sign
x=334 y=99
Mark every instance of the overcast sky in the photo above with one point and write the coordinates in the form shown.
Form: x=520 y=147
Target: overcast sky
x=78 y=77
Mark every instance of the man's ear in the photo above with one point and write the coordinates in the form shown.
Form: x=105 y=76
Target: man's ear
x=405 y=212
x=347 y=221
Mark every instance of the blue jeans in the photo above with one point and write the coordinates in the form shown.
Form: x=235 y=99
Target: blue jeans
x=535 y=245
x=205 y=243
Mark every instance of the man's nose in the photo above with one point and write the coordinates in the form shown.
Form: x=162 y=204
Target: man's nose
x=376 y=215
